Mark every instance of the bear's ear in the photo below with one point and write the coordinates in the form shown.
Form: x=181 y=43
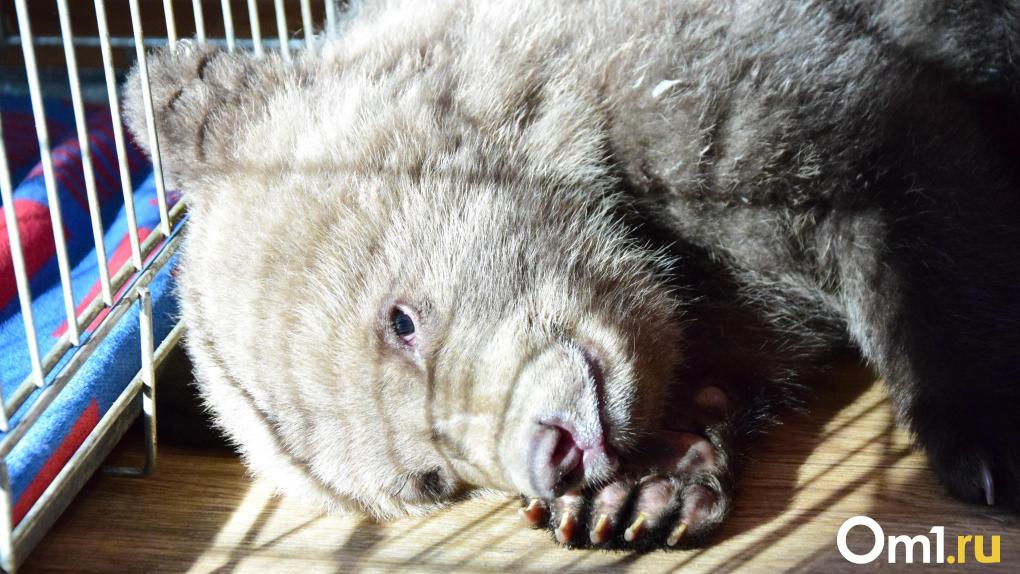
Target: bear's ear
x=199 y=96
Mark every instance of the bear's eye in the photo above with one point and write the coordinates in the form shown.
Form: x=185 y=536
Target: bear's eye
x=402 y=324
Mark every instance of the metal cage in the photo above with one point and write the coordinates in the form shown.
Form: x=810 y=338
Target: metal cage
x=88 y=67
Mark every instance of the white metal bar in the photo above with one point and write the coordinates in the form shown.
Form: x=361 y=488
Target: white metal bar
x=7 y=561
x=56 y=218
x=136 y=387
x=228 y=25
x=20 y=275
x=281 y=28
x=196 y=7
x=331 y=17
x=306 y=22
x=171 y=23
x=80 y=121
x=148 y=373
x=118 y=135
x=256 y=27
x=150 y=116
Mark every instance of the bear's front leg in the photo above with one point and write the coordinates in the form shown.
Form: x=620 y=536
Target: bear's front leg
x=674 y=492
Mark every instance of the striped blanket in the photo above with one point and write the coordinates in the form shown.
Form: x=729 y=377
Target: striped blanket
x=54 y=438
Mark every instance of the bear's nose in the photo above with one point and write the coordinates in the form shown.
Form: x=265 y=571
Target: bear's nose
x=557 y=458
x=566 y=444
x=555 y=461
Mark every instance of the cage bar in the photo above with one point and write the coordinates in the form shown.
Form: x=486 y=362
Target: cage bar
x=7 y=561
x=228 y=25
x=136 y=386
x=148 y=377
x=56 y=218
x=150 y=117
x=331 y=17
x=118 y=135
x=196 y=7
x=256 y=27
x=148 y=389
x=20 y=276
x=306 y=23
x=171 y=23
x=281 y=28
x=81 y=122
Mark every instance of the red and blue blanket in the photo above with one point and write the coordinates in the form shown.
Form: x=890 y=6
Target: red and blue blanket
x=55 y=437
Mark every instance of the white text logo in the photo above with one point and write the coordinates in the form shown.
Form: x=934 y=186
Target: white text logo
x=919 y=548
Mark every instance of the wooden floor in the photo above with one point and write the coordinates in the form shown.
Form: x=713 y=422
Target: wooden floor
x=201 y=513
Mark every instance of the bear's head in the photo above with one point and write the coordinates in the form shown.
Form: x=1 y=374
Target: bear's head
x=401 y=286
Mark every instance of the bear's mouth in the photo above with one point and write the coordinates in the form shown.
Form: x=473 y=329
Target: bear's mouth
x=597 y=376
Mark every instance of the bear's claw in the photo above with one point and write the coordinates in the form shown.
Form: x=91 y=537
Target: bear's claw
x=987 y=483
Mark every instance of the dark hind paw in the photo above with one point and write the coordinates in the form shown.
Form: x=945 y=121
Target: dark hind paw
x=980 y=475
x=975 y=456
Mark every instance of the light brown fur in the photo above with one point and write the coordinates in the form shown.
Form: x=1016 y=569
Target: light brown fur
x=478 y=162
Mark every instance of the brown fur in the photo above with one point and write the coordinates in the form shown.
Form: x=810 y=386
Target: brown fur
x=537 y=180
